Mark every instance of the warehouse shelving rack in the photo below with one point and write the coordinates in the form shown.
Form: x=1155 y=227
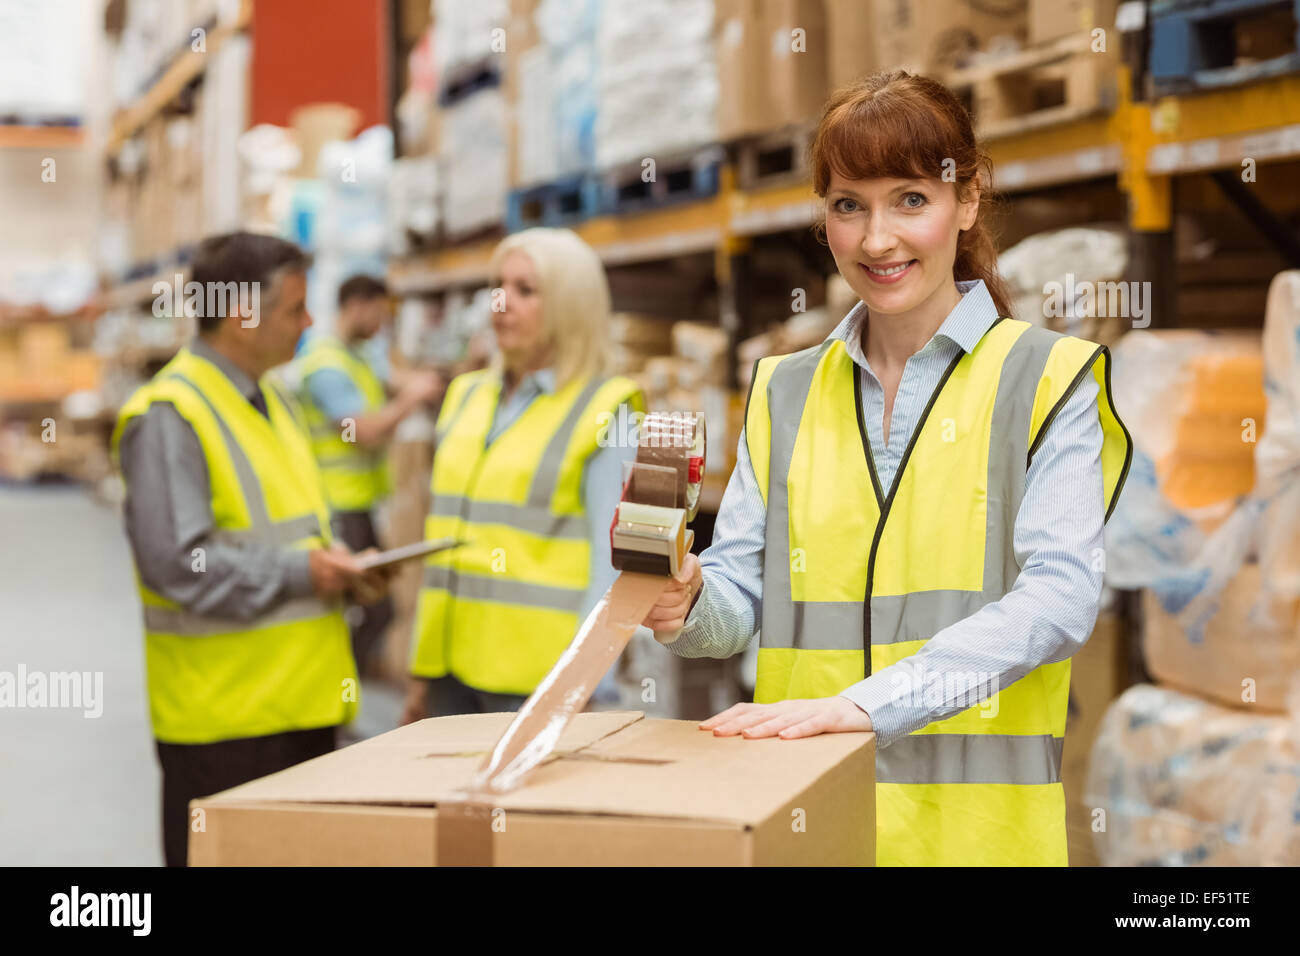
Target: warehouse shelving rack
x=1143 y=146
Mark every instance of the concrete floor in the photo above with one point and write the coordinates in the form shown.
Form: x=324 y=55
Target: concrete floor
x=79 y=790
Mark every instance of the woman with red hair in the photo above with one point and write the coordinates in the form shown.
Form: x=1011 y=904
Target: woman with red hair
x=914 y=524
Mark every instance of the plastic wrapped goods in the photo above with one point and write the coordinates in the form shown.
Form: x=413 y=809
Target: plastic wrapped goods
x=658 y=78
x=1184 y=782
x=474 y=162
x=1247 y=655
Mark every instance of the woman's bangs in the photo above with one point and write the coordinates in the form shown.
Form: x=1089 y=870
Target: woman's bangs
x=870 y=140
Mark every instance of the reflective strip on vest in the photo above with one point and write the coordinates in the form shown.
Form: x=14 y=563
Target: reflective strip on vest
x=532 y=518
x=282 y=533
x=279 y=534
x=168 y=620
x=1026 y=760
x=503 y=590
x=260 y=529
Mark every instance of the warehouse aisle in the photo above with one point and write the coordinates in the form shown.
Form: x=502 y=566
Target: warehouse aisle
x=80 y=789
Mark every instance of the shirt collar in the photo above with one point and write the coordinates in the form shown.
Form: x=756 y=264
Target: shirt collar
x=543 y=379
x=238 y=377
x=965 y=325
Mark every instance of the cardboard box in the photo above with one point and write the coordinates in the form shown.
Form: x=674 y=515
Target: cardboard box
x=409 y=465
x=929 y=36
x=741 y=52
x=1049 y=19
x=1097 y=677
x=796 y=78
x=851 y=49
x=622 y=790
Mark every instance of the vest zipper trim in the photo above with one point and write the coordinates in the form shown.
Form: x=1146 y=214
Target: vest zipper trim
x=866 y=442
x=889 y=502
x=1060 y=403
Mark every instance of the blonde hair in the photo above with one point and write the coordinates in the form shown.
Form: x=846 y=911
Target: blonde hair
x=575 y=298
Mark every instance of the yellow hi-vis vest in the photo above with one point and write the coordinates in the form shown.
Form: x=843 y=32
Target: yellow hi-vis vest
x=216 y=679
x=498 y=612
x=355 y=477
x=849 y=565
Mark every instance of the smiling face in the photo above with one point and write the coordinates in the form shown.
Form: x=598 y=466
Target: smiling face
x=518 y=326
x=895 y=240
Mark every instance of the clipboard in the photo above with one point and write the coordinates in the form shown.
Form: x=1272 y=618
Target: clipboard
x=408 y=552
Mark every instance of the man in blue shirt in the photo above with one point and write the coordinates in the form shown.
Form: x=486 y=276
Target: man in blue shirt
x=352 y=419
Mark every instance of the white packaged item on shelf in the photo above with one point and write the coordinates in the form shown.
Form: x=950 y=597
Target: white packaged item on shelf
x=658 y=78
x=352 y=219
x=466 y=31
x=1182 y=781
x=225 y=117
x=42 y=60
x=474 y=162
x=536 y=158
x=1093 y=254
x=574 y=71
x=412 y=201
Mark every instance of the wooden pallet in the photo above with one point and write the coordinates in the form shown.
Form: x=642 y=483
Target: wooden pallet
x=1042 y=86
x=1217 y=43
x=776 y=158
x=564 y=202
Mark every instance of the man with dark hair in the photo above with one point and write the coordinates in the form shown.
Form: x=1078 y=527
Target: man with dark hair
x=249 y=668
x=352 y=419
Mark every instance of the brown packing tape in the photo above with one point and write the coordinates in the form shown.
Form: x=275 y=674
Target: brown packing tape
x=666 y=440
x=564 y=691
x=463 y=834
x=669 y=440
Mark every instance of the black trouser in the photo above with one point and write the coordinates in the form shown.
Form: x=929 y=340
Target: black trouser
x=368 y=624
x=449 y=696
x=190 y=771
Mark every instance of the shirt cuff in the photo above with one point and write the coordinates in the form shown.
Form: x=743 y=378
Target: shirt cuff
x=876 y=697
x=297 y=574
x=691 y=637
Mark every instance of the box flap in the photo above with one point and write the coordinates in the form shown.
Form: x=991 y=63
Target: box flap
x=608 y=763
x=421 y=763
x=671 y=768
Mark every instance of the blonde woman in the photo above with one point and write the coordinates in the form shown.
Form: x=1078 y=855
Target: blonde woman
x=528 y=469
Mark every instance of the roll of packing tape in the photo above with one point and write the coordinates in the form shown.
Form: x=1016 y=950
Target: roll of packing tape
x=676 y=440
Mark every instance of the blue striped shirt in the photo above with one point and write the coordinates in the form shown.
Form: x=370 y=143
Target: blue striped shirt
x=1050 y=611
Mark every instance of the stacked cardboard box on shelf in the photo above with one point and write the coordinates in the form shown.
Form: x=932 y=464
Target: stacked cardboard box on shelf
x=929 y=36
x=772 y=64
x=636 y=340
x=38 y=362
x=410 y=462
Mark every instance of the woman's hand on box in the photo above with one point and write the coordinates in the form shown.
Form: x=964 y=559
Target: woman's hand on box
x=790 y=719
